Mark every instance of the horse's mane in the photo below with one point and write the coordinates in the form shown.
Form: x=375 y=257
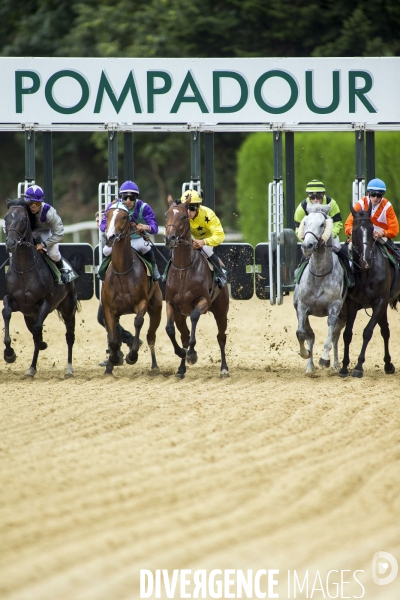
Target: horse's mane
x=21 y=202
x=362 y=214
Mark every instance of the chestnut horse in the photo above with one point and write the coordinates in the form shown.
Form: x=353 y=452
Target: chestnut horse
x=189 y=291
x=127 y=289
x=30 y=288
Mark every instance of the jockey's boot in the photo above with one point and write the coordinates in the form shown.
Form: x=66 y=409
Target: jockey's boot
x=396 y=253
x=345 y=260
x=350 y=275
x=63 y=271
x=221 y=278
x=150 y=257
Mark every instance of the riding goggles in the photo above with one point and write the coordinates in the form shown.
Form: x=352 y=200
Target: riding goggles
x=316 y=196
x=37 y=204
x=375 y=194
x=193 y=207
x=130 y=197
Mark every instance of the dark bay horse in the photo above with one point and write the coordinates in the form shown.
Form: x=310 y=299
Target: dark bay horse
x=30 y=288
x=376 y=287
x=188 y=291
x=127 y=289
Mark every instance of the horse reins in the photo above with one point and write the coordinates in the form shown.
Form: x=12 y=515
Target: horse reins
x=21 y=242
x=118 y=238
x=318 y=242
x=179 y=239
x=360 y=254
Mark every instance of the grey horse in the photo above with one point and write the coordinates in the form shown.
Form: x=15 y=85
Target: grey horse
x=321 y=291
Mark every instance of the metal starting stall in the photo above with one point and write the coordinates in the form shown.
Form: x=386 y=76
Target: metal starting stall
x=204 y=97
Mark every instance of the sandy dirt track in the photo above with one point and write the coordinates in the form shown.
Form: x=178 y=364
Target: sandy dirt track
x=101 y=477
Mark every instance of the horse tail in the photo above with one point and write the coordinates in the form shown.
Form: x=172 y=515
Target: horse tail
x=75 y=303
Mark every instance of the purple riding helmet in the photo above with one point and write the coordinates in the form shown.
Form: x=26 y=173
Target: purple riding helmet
x=34 y=193
x=128 y=187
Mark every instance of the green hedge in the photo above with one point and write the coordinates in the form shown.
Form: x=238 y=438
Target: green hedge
x=327 y=156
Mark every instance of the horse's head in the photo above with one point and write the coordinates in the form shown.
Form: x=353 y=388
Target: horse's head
x=177 y=228
x=362 y=237
x=117 y=223
x=18 y=226
x=316 y=228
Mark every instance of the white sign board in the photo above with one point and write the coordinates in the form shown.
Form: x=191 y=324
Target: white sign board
x=203 y=91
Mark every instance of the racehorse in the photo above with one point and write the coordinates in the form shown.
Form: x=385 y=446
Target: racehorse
x=189 y=291
x=376 y=285
x=321 y=291
x=30 y=288
x=127 y=289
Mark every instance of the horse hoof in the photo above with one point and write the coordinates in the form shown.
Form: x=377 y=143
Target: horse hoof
x=390 y=369
x=11 y=357
x=109 y=369
x=305 y=354
x=42 y=346
x=154 y=371
x=343 y=374
x=324 y=363
x=224 y=373
x=357 y=373
x=131 y=359
x=191 y=359
x=69 y=372
x=31 y=372
x=180 y=375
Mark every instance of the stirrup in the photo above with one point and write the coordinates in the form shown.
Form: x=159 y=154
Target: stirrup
x=64 y=275
x=221 y=281
x=156 y=273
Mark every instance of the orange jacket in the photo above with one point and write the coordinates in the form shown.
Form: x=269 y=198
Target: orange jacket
x=382 y=216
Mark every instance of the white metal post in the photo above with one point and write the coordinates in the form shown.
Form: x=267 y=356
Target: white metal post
x=271 y=238
x=279 y=240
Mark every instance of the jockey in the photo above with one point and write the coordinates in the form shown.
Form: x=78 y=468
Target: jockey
x=316 y=195
x=48 y=227
x=206 y=230
x=383 y=217
x=142 y=220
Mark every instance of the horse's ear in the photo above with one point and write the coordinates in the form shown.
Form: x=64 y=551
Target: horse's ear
x=369 y=208
x=170 y=200
x=352 y=210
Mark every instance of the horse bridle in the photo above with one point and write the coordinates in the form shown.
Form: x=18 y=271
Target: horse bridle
x=361 y=253
x=118 y=238
x=180 y=238
x=22 y=242
x=319 y=242
x=121 y=235
x=316 y=237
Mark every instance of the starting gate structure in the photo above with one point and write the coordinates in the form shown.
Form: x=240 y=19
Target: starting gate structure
x=203 y=97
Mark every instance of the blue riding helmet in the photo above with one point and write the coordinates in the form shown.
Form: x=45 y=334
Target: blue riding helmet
x=34 y=193
x=129 y=187
x=376 y=185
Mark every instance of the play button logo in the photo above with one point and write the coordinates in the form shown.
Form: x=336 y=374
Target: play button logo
x=384 y=563
x=382 y=568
